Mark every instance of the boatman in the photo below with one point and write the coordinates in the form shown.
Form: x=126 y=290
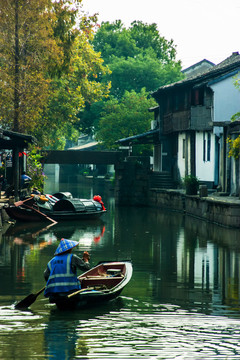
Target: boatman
x=61 y=271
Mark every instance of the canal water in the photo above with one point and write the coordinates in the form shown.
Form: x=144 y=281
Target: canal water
x=181 y=303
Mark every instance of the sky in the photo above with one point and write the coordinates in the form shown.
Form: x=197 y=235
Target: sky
x=200 y=29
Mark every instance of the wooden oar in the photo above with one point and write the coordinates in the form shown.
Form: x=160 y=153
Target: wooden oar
x=28 y=300
x=79 y=291
x=24 y=203
x=31 y=298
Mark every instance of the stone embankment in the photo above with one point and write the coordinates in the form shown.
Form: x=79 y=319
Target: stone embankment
x=215 y=208
x=133 y=188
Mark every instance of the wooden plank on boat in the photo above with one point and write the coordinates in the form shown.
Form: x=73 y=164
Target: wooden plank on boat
x=40 y=214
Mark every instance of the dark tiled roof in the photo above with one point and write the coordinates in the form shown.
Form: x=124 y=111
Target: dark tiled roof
x=11 y=139
x=224 y=67
x=198 y=64
x=16 y=135
x=149 y=138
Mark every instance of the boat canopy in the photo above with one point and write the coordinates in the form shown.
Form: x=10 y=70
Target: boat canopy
x=76 y=205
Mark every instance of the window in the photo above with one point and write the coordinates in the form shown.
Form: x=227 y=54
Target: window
x=208 y=146
x=183 y=148
x=197 y=97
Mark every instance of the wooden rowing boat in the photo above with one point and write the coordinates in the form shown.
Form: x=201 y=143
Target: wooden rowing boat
x=102 y=283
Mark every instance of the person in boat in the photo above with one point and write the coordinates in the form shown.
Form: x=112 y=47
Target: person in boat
x=25 y=180
x=61 y=271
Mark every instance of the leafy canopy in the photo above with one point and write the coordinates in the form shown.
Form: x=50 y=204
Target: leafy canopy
x=123 y=118
x=115 y=40
x=48 y=68
x=138 y=57
x=26 y=47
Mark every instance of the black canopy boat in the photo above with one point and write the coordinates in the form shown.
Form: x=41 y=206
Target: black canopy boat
x=56 y=207
x=102 y=283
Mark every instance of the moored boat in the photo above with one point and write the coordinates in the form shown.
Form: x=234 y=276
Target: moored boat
x=102 y=283
x=57 y=207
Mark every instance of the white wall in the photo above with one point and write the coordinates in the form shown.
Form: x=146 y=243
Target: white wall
x=204 y=169
x=226 y=98
x=181 y=159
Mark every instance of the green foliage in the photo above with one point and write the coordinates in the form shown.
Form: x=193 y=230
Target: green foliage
x=49 y=69
x=148 y=40
x=115 y=40
x=69 y=93
x=138 y=57
x=144 y=71
x=125 y=117
x=191 y=184
x=234 y=144
x=190 y=180
x=89 y=117
x=26 y=47
x=235 y=117
x=234 y=147
x=35 y=168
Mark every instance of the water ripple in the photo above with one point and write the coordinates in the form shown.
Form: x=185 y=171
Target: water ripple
x=15 y=320
x=160 y=335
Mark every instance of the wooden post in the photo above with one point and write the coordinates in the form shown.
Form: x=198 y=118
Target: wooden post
x=16 y=173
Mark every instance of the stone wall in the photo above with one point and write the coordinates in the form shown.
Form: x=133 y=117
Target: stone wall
x=167 y=199
x=132 y=182
x=133 y=188
x=219 y=211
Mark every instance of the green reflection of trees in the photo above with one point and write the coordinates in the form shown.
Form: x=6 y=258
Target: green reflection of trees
x=25 y=344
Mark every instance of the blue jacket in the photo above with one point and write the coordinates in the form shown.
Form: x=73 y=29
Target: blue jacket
x=61 y=278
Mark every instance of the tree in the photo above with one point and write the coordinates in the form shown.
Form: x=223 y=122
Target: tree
x=138 y=57
x=144 y=71
x=126 y=117
x=115 y=40
x=74 y=81
x=48 y=68
x=76 y=87
x=26 y=47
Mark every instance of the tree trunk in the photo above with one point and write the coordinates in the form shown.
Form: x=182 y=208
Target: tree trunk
x=16 y=72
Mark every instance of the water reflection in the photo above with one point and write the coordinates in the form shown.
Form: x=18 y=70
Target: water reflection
x=182 y=302
x=22 y=244
x=66 y=332
x=198 y=266
x=60 y=337
x=177 y=259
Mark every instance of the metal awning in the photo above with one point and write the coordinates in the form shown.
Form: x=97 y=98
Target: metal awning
x=149 y=137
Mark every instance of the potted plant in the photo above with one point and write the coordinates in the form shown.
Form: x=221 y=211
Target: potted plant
x=191 y=184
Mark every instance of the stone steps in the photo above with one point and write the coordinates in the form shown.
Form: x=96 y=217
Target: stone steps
x=161 y=180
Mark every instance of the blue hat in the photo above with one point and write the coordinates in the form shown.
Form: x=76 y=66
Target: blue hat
x=65 y=245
